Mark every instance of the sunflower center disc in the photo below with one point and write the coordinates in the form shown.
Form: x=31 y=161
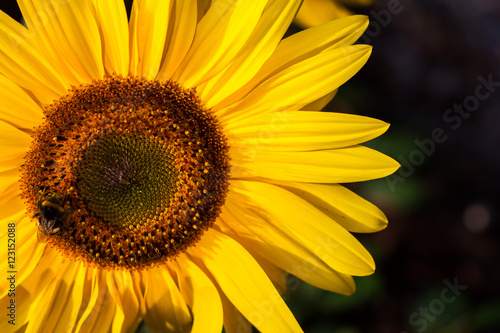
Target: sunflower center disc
x=127 y=179
x=136 y=171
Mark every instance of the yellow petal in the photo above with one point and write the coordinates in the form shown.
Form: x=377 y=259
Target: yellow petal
x=113 y=27
x=233 y=267
x=80 y=31
x=220 y=36
x=38 y=288
x=356 y=2
x=278 y=276
x=260 y=45
x=305 y=131
x=98 y=310
x=304 y=82
x=55 y=299
x=299 y=47
x=14 y=143
x=17 y=107
x=121 y=288
x=345 y=207
x=9 y=180
x=344 y=165
x=310 y=227
x=166 y=309
x=148 y=26
x=13 y=163
x=69 y=310
x=30 y=252
x=73 y=30
x=310 y=42
x=264 y=238
x=234 y=322
x=201 y=295
x=26 y=247
x=38 y=17
x=319 y=104
x=22 y=301
x=180 y=36
x=23 y=63
x=316 y=12
x=11 y=202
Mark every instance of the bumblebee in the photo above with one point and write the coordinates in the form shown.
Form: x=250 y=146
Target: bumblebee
x=50 y=215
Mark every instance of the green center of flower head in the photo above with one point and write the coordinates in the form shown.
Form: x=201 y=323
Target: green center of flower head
x=126 y=179
x=126 y=173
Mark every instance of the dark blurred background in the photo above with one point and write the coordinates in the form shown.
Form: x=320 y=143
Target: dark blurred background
x=434 y=75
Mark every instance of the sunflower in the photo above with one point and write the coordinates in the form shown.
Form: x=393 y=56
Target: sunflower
x=167 y=168
x=316 y=12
